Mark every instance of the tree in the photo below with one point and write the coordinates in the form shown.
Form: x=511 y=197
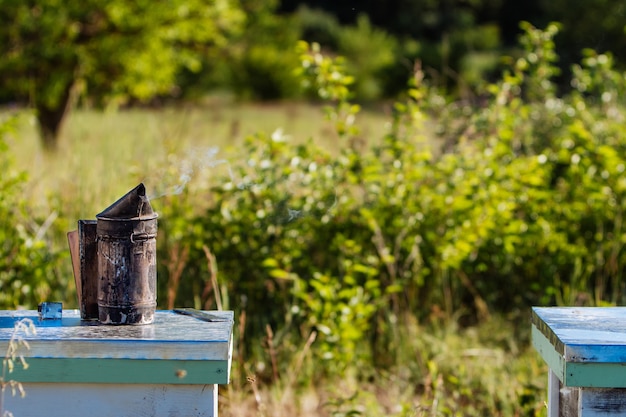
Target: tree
x=262 y=59
x=106 y=50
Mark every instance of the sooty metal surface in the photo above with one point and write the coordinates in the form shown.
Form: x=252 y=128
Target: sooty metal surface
x=126 y=233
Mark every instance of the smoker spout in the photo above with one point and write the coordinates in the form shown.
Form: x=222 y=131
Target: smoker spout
x=135 y=204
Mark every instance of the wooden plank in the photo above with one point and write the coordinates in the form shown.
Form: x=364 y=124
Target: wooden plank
x=88 y=257
x=171 y=336
x=538 y=321
x=74 y=244
x=554 y=386
x=131 y=371
x=585 y=334
x=569 y=404
x=602 y=402
x=546 y=349
x=80 y=400
x=595 y=375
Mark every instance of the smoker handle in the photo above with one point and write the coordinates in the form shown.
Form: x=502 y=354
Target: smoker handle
x=141 y=237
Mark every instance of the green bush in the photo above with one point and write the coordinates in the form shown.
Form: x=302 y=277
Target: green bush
x=514 y=203
x=28 y=266
x=263 y=58
x=318 y=26
x=369 y=53
x=265 y=72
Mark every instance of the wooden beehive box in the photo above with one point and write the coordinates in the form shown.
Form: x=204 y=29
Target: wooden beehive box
x=585 y=349
x=76 y=368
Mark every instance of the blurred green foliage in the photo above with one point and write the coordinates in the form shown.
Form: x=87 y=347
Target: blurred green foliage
x=262 y=59
x=369 y=51
x=382 y=41
x=98 y=54
x=28 y=264
x=518 y=202
x=460 y=42
x=110 y=52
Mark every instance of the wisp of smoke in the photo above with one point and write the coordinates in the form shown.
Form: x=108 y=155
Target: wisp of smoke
x=177 y=176
x=199 y=163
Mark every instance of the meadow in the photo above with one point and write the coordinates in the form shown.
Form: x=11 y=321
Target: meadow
x=440 y=368
x=101 y=154
x=379 y=263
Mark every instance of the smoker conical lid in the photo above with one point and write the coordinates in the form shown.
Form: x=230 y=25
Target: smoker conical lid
x=134 y=205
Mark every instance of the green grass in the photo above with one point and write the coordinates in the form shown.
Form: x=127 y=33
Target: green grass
x=101 y=155
x=441 y=370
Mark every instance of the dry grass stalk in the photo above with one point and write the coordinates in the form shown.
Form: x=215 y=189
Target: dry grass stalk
x=481 y=305
x=24 y=327
x=257 y=396
x=211 y=284
x=179 y=254
x=272 y=351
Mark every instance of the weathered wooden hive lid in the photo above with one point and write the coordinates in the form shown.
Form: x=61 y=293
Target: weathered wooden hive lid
x=133 y=205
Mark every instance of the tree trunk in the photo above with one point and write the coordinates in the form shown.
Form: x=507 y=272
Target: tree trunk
x=51 y=119
x=49 y=126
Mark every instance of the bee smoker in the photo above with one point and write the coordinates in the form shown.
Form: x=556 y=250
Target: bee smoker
x=117 y=255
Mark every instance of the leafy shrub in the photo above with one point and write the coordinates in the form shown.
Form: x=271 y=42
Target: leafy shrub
x=515 y=202
x=564 y=217
x=369 y=52
x=265 y=73
x=27 y=263
x=318 y=27
x=262 y=60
